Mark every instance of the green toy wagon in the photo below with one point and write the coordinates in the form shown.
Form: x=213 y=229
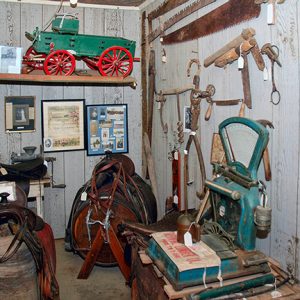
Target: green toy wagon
x=56 y=52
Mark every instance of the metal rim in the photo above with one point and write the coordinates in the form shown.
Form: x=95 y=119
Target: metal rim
x=59 y=62
x=115 y=61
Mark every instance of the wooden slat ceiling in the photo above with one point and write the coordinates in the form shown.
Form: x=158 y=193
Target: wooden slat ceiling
x=110 y=2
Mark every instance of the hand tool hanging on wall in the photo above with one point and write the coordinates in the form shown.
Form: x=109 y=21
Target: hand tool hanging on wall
x=233 y=54
x=266 y=156
x=195 y=100
x=177 y=17
x=167 y=6
x=246 y=85
x=175 y=156
x=272 y=52
x=231 y=13
x=246 y=35
x=161 y=100
x=235 y=50
x=211 y=102
x=151 y=92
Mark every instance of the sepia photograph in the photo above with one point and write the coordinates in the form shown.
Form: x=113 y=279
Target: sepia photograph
x=20 y=114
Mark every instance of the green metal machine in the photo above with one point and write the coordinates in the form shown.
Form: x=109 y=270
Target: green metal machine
x=238 y=211
x=56 y=51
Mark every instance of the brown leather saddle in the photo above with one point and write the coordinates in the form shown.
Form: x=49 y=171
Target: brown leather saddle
x=26 y=227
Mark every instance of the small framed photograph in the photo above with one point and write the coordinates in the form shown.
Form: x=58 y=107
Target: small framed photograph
x=106 y=129
x=63 y=125
x=19 y=114
x=187 y=118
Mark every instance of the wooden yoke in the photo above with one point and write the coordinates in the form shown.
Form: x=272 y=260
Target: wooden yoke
x=236 y=42
x=240 y=46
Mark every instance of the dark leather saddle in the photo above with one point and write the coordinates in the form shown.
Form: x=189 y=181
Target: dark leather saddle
x=23 y=172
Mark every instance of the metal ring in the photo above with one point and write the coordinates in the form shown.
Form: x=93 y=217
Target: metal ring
x=277 y=49
x=272 y=97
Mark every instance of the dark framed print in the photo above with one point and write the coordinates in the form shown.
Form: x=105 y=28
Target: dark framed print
x=106 y=129
x=63 y=125
x=20 y=114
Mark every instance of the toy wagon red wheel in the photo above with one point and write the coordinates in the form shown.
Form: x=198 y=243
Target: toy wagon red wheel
x=59 y=62
x=115 y=61
x=34 y=59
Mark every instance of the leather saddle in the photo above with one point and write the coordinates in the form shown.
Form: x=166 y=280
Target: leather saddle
x=22 y=222
x=29 y=228
x=22 y=172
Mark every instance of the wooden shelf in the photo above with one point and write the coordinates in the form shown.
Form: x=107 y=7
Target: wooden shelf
x=86 y=77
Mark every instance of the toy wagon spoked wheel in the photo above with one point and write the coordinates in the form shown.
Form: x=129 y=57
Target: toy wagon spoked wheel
x=115 y=61
x=59 y=62
x=34 y=59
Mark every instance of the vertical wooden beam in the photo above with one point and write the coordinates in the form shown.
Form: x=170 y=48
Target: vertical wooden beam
x=144 y=86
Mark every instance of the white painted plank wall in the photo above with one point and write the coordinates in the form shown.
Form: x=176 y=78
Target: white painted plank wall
x=74 y=167
x=282 y=243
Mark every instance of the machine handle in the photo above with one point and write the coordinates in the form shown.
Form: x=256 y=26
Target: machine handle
x=234 y=195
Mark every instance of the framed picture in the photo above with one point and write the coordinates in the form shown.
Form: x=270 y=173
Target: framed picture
x=187 y=118
x=19 y=114
x=63 y=125
x=106 y=129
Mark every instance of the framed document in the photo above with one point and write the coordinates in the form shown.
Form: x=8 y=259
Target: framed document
x=63 y=125
x=19 y=114
x=106 y=129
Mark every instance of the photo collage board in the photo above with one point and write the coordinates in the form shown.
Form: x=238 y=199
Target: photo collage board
x=107 y=129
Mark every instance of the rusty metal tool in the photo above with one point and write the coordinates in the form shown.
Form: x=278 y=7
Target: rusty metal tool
x=167 y=6
x=266 y=156
x=211 y=102
x=256 y=53
x=178 y=17
x=151 y=92
x=246 y=83
x=272 y=52
x=229 y=14
x=195 y=110
x=161 y=99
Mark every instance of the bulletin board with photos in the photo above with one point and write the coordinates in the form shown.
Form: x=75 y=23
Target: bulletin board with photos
x=106 y=129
